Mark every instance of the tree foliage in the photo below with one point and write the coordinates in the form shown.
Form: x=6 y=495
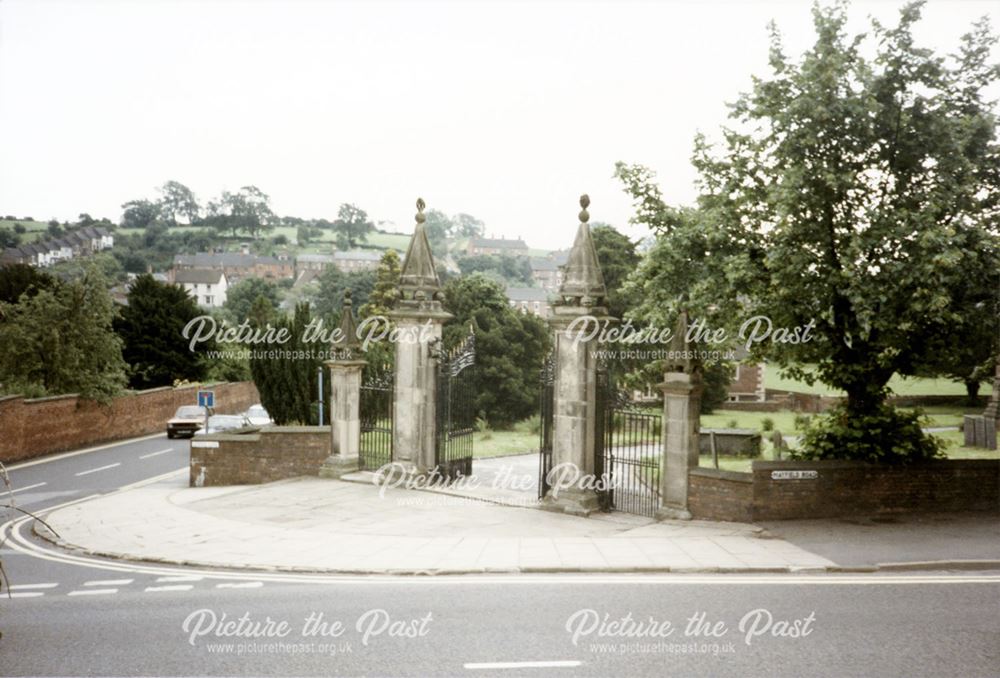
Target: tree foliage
x=248 y=211
x=503 y=268
x=60 y=340
x=859 y=192
x=352 y=226
x=510 y=347
x=287 y=378
x=151 y=329
x=241 y=296
x=618 y=259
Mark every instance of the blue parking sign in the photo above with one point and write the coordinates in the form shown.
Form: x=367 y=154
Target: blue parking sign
x=206 y=399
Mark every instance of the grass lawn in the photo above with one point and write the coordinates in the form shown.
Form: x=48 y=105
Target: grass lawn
x=520 y=439
x=899 y=385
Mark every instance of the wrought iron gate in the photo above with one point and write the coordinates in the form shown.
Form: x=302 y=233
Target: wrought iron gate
x=546 y=411
x=376 y=411
x=629 y=450
x=456 y=414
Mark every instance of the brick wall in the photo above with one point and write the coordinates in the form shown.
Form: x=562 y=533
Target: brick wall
x=720 y=495
x=259 y=455
x=32 y=428
x=844 y=488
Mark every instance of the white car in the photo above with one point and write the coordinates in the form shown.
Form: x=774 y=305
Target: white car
x=258 y=416
x=219 y=423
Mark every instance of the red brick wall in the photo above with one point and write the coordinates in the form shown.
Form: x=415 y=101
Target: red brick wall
x=720 y=495
x=32 y=428
x=844 y=488
x=260 y=456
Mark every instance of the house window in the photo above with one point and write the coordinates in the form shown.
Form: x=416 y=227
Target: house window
x=208 y=300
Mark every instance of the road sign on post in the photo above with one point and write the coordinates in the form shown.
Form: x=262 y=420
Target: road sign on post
x=206 y=399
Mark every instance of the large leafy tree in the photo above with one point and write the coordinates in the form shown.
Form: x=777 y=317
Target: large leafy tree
x=352 y=226
x=60 y=340
x=139 y=214
x=510 y=347
x=151 y=328
x=859 y=192
x=177 y=200
x=248 y=210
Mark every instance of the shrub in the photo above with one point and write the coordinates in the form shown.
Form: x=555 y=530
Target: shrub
x=801 y=422
x=887 y=436
x=732 y=423
x=767 y=424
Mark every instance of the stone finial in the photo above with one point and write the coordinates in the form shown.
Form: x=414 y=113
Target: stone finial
x=347 y=337
x=583 y=282
x=679 y=348
x=418 y=280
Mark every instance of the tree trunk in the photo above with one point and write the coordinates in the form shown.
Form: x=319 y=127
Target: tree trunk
x=972 y=392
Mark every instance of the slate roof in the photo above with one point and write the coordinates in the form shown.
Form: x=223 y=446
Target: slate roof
x=223 y=260
x=198 y=275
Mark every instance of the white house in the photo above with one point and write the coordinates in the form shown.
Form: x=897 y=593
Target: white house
x=206 y=286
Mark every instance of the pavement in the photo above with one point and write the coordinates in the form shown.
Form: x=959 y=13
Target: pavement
x=319 y=525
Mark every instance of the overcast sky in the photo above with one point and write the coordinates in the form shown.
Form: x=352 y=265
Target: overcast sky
x=507 y=110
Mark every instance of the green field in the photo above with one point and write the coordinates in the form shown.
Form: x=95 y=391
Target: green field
x=35 y=229
x=899 y=385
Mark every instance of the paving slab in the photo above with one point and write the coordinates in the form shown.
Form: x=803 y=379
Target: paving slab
x=311 y=524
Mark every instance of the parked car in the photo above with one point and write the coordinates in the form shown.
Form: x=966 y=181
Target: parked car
x=218 y=423
x=258 y=416
x=186 y=420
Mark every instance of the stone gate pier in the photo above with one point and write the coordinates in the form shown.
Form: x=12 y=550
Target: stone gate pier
x=575 y=407
x=419 y=317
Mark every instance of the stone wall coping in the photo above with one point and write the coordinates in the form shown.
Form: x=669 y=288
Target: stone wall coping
x=252 y=436
x=294 y=429
x=736 y=476
x=48 y=399
x=731 y=431
x=847 y=464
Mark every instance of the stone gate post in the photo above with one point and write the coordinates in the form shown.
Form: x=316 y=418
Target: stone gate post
x=419 y=316
x=345 y=398
x=582 y=298
x=681 y=420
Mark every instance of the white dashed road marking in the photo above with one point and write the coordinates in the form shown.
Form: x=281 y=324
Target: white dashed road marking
x=153 y=454
x=26 y=594
x=167 y=580
x=240 y=585
x=109 y=582
x=561 y=664
x=99 y=468
x=26 y=487
x=20 y=587
x=91 y=592
x=178 y=587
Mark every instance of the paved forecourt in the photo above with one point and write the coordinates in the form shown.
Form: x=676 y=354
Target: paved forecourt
x=309 y=524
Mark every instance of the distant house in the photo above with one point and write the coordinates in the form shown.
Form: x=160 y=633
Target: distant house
x=480 y=246
x=81 y=242
x=206 y=286
x=546 y=273
x=529 y=300
x=312 y=262
x=357 y=260
x=236 y=265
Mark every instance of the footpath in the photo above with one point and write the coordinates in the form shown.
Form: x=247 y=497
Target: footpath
x=318 y=525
